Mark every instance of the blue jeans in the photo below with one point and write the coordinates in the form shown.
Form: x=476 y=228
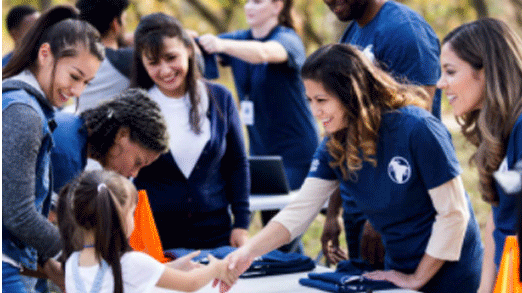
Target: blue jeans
x=13 y=281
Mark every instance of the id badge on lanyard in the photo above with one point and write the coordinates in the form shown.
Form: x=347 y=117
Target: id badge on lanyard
x=247 y=112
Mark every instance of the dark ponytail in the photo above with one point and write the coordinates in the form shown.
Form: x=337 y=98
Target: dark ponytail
x=97 y=201
x=60 y=28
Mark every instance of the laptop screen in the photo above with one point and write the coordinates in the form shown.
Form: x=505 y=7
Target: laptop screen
x=267 y=175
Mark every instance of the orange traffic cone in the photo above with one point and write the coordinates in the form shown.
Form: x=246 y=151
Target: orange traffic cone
x=508 y=279
x=145 y=237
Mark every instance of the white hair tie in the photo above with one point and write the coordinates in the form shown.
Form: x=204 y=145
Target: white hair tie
x=101 y=186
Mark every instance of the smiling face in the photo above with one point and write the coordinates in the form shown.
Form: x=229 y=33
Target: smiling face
x=325 y=107
x=169 y=72
x=259 y=12
x=71 y=74
x=127 y=157
x=464 y=86
x=346 y=10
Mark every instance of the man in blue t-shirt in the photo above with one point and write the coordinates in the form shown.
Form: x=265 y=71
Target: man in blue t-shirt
x=401 y=42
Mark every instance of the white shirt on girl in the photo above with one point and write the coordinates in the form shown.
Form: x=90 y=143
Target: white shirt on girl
x=185 y=145
x=140 y=273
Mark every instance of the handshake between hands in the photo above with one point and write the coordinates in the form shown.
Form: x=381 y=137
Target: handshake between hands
x=230 y=268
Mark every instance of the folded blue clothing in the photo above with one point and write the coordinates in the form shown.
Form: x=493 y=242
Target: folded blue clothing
x=210 y=70
x=354 y=266
x=346 y=278
x=219 y=252
x=272 y=263
x=356 y=284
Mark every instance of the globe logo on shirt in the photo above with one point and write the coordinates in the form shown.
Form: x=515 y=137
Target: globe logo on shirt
x=399 y=170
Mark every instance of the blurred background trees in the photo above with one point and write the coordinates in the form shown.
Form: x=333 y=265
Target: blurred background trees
x=314 y=21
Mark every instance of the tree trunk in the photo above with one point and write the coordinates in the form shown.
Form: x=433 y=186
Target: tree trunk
x=481 y=7
x=221 y=25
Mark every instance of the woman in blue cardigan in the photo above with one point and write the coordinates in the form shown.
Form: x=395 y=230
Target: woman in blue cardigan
x=205 y=172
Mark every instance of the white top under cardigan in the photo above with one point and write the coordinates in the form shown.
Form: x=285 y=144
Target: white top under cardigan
x=185 y=145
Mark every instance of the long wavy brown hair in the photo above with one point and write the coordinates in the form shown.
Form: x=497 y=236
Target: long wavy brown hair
x=491 y=45
x=367 y=92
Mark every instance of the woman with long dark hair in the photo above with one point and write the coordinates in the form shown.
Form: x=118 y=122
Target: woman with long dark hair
x=265 y=61
x=481 y=73
x=191 y=187
x=397 y=162
x=56 y=60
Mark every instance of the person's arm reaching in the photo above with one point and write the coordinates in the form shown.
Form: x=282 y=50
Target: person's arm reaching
x=332 y=230
x=446 y=240
x=251 y=51
x=21 y=140
x=289 y=223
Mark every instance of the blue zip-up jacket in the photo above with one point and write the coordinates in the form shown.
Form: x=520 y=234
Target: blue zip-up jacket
x=69 y=155
x=25 y=239
x=195 y=209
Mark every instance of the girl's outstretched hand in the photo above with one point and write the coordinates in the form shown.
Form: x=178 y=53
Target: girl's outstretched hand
x=185 y=263
x=53 y=270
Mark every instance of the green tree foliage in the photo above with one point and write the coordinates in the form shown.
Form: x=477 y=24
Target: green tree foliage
x=315 y=23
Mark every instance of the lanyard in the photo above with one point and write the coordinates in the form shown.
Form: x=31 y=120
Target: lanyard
x=98 y=279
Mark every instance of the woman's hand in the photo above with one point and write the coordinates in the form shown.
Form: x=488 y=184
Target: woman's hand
x=53 y=270
x=185 y=263
x=330 y=241
x=227 y=277
x=211 y=43
x=399 y=279
x=239 y=260
x=238 y=237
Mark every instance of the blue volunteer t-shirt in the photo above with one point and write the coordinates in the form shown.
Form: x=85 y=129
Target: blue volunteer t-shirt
x=6 y=58
x=414 y=154
x=69 y=155
x=505 y=214
x=283 y=122
x=403 y=43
